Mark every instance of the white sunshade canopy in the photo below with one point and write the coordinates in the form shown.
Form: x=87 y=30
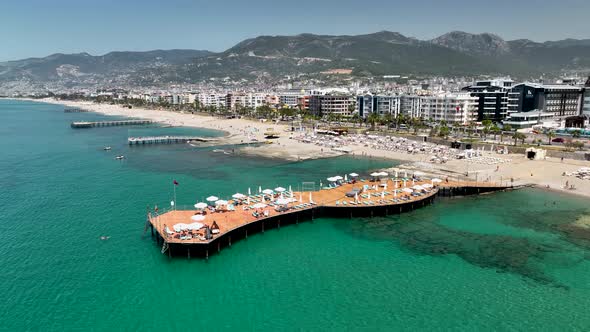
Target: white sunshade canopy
x=238 y=196
x=212 y=198
x=280 y=189
x=418 y=173
x=198 y=217
x=283 y=201
x=417 y=187
x=375 y=174
x=259 y=205
x=427 y=185
x=353 y=175
x=338 y=177
x=200 y=205
x=383 y=174
x=407 y=190
x=268 y=191
x=435 y=180
x=221 y=202
x=332 y=179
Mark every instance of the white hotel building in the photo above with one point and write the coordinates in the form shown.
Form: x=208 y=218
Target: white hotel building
x=458 y=108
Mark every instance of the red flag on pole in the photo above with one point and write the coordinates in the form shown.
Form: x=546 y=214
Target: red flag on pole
x=175 y=183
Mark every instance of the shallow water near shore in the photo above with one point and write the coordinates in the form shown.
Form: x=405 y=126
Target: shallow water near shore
x=501 y=261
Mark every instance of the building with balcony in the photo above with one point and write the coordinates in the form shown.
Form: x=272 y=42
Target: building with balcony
x=378 y=104
x=460 y=108
x=494 y=99
x=560 y=100
x=343 y=105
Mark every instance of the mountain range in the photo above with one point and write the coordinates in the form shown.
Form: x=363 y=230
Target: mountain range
x=381 y=53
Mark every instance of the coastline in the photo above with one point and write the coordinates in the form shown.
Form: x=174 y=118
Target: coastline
x=544 y=174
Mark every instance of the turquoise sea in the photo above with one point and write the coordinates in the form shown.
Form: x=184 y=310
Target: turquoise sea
x=507 y=261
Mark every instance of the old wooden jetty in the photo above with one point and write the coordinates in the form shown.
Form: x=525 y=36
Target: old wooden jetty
x=85 y=124
x=258 y=212
x=166 y=139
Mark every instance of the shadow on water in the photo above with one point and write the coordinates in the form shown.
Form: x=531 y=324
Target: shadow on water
x=542 y=238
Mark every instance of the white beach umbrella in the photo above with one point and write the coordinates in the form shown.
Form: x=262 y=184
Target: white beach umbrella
x=405 y=174
x=331 y=179
x=435 y=180
x=290 y=190
x=418 y=187
x=356 y=197
x=200 y=205
x=195 y=226
x=383 y=174
x=280 y=189
x=396 y=174
x=427 y=185
x=198 y=217
x=282 y=201
x=249 y=191
x=418 y=173
x=338 y=177
x=310 y=198
x=221 y=202
x=238 y=196
x=407 y=190
x=259 y=205
x=268 y=192
x=211 y=198
x=259 y=189
x=382 y=194
x=354 y=175
x=395 y=193
x=375 y=174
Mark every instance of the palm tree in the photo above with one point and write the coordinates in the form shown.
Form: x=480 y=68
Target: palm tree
x=444 y=132
x=518 y=136
x=496 y=130
x=550 y=135
x=372 y=119
x=576 y=134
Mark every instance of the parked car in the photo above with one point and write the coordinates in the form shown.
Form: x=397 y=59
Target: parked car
x=557 y=140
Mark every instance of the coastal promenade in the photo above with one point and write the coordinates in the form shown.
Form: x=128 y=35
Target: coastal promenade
x=258 y=212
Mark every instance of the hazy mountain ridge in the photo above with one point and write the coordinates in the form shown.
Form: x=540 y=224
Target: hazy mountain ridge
x=381 y=53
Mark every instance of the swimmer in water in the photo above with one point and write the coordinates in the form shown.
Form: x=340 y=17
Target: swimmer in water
x=104 y=237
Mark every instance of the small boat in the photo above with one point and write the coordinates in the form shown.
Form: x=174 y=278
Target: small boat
x=218 y=150
x=120 y=157
x=107 y=148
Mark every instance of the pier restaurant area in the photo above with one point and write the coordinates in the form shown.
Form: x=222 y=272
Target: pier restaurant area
x=208 y=226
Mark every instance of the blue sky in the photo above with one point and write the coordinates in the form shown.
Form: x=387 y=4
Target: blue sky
x=32 y=28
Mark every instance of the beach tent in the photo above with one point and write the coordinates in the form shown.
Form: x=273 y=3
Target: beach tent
x=200 y=205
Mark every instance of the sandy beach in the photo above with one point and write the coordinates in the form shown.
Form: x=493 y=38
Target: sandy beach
x=543 y=173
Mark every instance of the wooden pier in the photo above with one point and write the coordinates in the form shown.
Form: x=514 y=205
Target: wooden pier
x=166 y=139
x=74 y=110
x=84 y=124
x=381 y=199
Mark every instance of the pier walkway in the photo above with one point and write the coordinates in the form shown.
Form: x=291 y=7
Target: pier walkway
x=84 y=124
x=167 y=139
x=253 y=215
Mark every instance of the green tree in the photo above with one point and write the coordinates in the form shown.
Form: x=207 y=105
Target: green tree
x=373 y=118
x=576 y=134
x=444 y=132
x=496 y=130
x=518 y=136
x=550 y=135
